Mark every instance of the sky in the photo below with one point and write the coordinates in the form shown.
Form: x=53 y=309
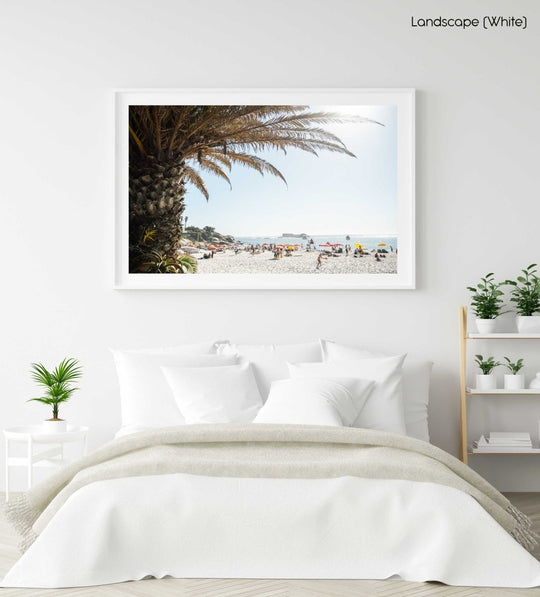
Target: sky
x=330 y=194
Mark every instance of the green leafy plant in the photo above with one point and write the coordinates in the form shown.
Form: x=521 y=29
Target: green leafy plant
x=487 y=365
x=513 y=367
x=486 y=301
x=158 y=263
x=58 y=384
x=526 y=291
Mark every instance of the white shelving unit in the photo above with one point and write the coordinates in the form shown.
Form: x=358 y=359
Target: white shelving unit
x=466 y=393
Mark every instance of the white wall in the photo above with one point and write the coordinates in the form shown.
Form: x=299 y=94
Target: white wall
x=478 y=140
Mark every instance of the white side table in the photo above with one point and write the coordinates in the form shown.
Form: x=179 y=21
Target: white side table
x=33 y=435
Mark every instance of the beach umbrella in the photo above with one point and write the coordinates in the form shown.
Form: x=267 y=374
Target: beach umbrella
x=381 y=245
x=212 y=247
x=326 y=244
x=337 y=245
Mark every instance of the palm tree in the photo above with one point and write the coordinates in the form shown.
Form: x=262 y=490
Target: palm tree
x=170 y=147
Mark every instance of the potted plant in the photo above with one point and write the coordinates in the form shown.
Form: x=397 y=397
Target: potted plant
x=486 y=380
x=58 y=388
x=486 y=303
x=526 y=296
x=514 y=380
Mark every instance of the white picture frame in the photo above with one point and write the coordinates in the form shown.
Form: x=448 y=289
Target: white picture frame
x=403 y=99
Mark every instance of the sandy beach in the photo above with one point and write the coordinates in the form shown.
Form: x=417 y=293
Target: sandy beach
x=300 y=262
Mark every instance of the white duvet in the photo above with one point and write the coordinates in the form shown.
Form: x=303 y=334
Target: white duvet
x=185 y=526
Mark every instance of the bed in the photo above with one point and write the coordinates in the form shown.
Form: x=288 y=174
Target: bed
x=299 y=461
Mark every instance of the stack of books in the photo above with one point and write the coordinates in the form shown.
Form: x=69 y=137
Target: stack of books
x=504 y=441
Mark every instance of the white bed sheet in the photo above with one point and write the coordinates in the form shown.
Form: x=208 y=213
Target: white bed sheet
x=196 y=526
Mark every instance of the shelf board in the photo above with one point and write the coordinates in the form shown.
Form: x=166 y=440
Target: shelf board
x=474 y=451
x=503 y=336
x=502 y=392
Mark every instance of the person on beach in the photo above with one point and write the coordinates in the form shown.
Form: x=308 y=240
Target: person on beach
x=319 y=261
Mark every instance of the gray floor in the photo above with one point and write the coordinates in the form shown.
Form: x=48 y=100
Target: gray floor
x=528 y=502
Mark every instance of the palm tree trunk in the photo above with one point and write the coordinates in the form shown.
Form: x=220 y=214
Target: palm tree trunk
x=156 y=204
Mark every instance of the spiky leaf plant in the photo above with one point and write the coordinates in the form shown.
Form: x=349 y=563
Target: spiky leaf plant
x=155 y=262
x=58 y=384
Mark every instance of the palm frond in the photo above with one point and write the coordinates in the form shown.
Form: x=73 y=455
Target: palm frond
x=42 y=400
x=189 y=130
x=256 y=163
x=155 y=262
x=67 y=371
x=209 y=165
x=41 y=375
x=196 y=180
x=186 y=264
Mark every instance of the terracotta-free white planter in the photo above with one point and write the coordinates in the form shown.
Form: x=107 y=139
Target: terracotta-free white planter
x=514 y=382
x=486 y=326
x=528 y=324
x=54 y=426
x=535 y=382
x=486 y=382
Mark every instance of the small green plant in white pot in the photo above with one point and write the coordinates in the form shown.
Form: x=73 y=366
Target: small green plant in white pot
x=486 y=303
x=486 y=380
x=57 y=388
x=526 y=296
x=514 y=380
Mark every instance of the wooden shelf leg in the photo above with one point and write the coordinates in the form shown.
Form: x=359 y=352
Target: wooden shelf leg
x=463 y=384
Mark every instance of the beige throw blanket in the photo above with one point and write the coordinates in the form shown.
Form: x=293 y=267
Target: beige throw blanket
x=277 y=451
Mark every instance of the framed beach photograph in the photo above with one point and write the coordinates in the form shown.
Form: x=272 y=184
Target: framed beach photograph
x=262 y=188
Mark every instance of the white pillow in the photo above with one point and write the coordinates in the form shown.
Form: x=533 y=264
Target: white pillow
x=217 y=395
x=416 y=381
x=269 y=361
x=384 y=407
x=146 y=399
x=187 y=349
x=315 y=401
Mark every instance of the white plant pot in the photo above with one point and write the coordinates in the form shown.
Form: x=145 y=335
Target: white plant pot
x=535 y=382
x=486 y=326
x=486 y=382
x=528 y=324
x=514 y=382
x=50 y=426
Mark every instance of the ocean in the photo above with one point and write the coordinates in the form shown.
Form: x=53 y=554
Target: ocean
x=369 y=242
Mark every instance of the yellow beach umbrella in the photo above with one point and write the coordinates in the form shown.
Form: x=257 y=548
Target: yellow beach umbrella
x=381 y=245
x=359 y=246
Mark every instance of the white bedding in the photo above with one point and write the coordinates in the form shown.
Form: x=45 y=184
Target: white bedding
x=197 y=526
